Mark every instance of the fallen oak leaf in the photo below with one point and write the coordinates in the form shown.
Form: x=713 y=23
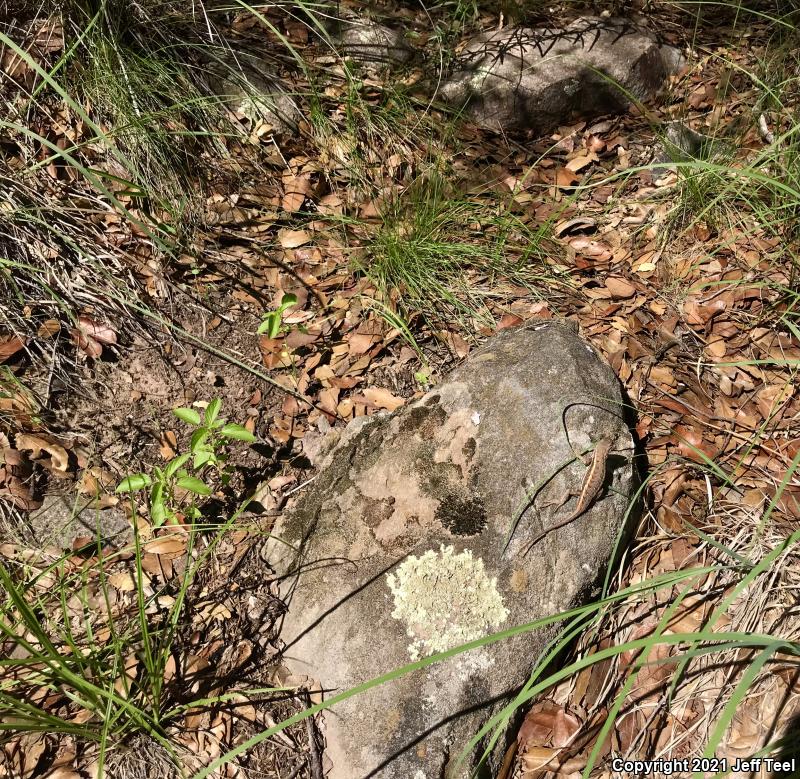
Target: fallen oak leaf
x=580 y=224
x=716 y=349
x=382 y=398
x=360 y=343
x=168 y=444
x=538 y=758
x=619 y=288
x=90 y=337
x=547 y=723
x=99 y=484
x=589 y=248
x=509 y=320
x=101 y=333
x=49 y=328
x=291 y=239
x=10 y=347
x=692 y=445
x=58 y=458
x=578 y=163
x=167 y=546
x=566 y=179
x=15 y=490
x=296 y=189
x=122 y=581
x=772 y=399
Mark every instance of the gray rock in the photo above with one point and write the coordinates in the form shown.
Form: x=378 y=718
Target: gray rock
x=396 y=551
x=682 y=144
x=63 y=518
x=246 y=86
x=372 y=44
x=525 y=79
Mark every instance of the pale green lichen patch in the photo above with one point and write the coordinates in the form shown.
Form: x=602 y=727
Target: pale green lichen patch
x=445 y=600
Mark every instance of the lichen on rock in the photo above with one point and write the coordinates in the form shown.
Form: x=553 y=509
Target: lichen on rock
x=445 y=599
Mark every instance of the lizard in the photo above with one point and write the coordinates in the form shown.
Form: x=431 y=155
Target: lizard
x=590 y=488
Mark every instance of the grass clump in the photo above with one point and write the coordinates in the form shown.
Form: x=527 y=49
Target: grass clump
x=142 y=68
x=442 y=256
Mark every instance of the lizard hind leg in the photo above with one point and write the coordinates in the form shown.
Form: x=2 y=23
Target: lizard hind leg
x=561 y=501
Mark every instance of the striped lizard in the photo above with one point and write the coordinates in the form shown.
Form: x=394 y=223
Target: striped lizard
x=591 y=487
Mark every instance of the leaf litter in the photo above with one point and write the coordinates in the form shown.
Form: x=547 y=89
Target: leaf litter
x=692 y=314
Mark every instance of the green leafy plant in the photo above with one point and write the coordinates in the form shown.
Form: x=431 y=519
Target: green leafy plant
x=76 y=643
x=272 y=321
x=207 y=447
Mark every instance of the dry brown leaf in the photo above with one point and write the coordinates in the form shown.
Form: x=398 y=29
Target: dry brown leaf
x=589 y=248
x=578 y=163
x=295 y=190
x=62 y=772
x=156 y=565
x=382 y=398
x=566 y=179
x=692 y=445
x=169 y=443
x=328 y=399
x=291 y=239
x=690 y=615
x=10 y=347
x=564 y=728
x=619 y=288
x=539 y=725
x=90 y=336
x=664 y=375
x=100 y=485
x=716 y=348
x=297 y=338
x=126 y=680
x=770 y=399
x=345 y=408
x=576 y=226
x=536 y=758
x=457 y=344
x=168 y=546
x=122 y=581
x=789 y=501
x=509 y=320
x=49 y=328
x=57 y=458
x=15 y=479
x=361 y=342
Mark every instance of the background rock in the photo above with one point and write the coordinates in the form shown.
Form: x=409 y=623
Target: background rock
x=525 y=79
x=682 y=144
x=372 y=44
x=247 y=86
x=427 y=495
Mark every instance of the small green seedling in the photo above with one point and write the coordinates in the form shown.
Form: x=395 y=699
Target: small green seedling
x=423 y=376
x=272 y=321
x=206 y=448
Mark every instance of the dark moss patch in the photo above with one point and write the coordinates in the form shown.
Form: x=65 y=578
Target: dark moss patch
x=437 y=479
x=469 y=448
x=365 y=448
x=462 y=517
x=423 y=420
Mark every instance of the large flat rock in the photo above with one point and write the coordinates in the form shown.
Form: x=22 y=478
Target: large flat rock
x=396 y=551
x=522 y=79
